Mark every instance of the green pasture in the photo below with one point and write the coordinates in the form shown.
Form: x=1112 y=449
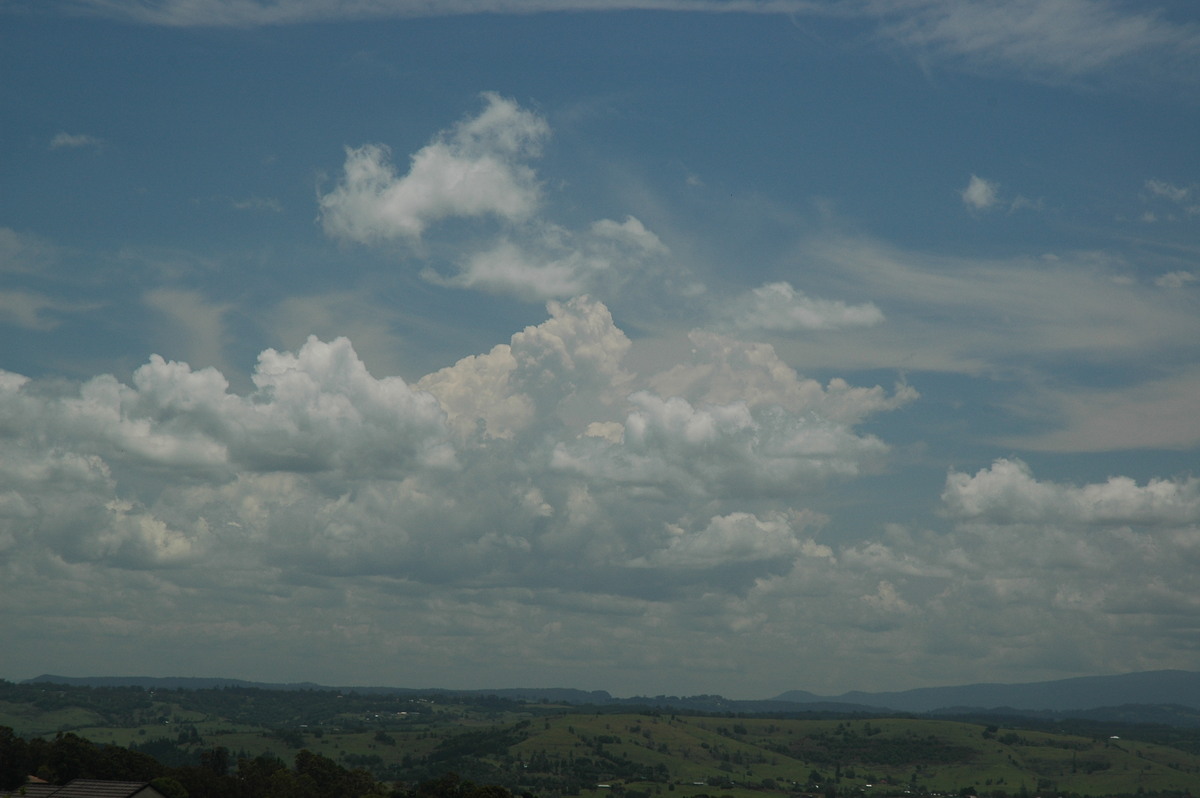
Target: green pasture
x=647 y=754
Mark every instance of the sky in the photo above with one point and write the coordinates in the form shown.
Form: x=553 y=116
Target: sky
x=657 y=347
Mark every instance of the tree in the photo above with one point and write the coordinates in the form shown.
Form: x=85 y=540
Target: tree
x=15 y=766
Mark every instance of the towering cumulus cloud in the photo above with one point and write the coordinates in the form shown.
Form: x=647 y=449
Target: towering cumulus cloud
x=545 y=454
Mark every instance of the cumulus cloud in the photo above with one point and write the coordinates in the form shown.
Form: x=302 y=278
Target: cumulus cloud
x=1104 y=569
x=737 y=537
x=1110 y=555
x=1007 y=493
x=316 y=410
x=479 y=168
x=672 y=447
x=723 y=370
x=544 y=456
x=980 y=194
x=475 y=169
x=778 y=307
x=575 y=356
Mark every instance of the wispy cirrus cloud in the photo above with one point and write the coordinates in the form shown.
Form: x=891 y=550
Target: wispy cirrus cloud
x=247 y=13
x=1050 y=40
x=976 y=314
x=1055 y=41
x=24 y=252
x=33 y=310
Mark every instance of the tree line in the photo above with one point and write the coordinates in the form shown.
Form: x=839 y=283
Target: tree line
x=68 y=756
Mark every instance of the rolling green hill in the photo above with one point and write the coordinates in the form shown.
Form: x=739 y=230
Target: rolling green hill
x=552 y=749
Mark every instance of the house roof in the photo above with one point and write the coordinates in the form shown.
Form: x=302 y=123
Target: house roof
x=87 y=788
x=32 y=789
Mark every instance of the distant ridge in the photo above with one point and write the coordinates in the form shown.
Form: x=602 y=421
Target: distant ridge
x=167 y=682
x=1167 y=696
x=554 y=694
x=1176 y=687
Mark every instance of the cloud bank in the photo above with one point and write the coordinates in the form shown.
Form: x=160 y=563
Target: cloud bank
x=522 y=499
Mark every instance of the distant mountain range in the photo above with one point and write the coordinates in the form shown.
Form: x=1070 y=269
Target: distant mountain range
x=1170 y=696
x=1063 y=695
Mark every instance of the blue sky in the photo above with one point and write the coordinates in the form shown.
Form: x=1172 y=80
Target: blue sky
x=671 y=347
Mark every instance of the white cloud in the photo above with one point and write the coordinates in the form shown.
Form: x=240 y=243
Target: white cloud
x=547 y=261
x=1007 y=493
x=1115 y=556
x=478 y=169
x=1174 y=280
x=1054 y=41
x=980 y=194
x=671 y=447
x=475 y=169
x=51 y=497
x=1161 y=188
x=1104 y=570
x=1057 y=41
x=974 y=315
x=315 y=410
x=1047 y=328
x=540 y=490
x=778 y=307
x=74 y=141
x=576 y=356
x=737 y=537
x=508 y=268
x=486 y=469
x=723 y=370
